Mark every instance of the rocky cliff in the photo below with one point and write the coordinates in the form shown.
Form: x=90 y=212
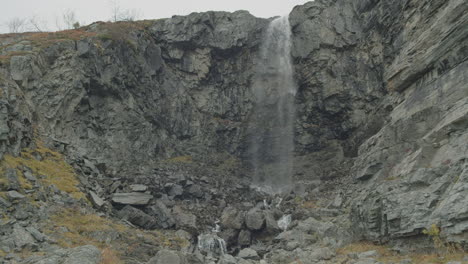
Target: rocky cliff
x=151 y=118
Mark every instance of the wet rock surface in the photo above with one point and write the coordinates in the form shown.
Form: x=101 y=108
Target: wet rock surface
x=151 y=119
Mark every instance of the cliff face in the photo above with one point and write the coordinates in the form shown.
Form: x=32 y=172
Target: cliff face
x=396 y=73
x=381 y=106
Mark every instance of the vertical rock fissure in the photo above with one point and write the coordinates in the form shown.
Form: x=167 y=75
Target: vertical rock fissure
x=273 y=116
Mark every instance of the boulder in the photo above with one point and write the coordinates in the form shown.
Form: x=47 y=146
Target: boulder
x=96 y=200
x=184 y=219
x=137 y=217
x=245 y=238
x=248 y=253
x=138 y=188
x=255 y=219
x=14 y=195
x=232 y=218
x=133 y=198
x=22 y=238
x=163 y=214
x=83 y=255
x=166 y=257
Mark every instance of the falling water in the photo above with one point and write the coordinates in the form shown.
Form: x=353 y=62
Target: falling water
x=272 y=122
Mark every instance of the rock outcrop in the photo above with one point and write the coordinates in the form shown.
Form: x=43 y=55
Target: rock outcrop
x=152 y=120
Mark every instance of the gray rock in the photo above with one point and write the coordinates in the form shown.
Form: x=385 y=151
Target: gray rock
x=138 y=188
x=14 y=195
x=176 y=190
x=248 y=253
x=368 y=254
x=245 y=238
x=13 y=183
x=196 y=191
x=96 y=200
x=162 y=214
x=134 y=198
x=137 y=217
x=83 y=255
x=255 y=219
x=22 y=238
x=184 y=219
x=227 y=259
x=166 y=257
x=232 y=218
x=38 y=236
x=271 y=225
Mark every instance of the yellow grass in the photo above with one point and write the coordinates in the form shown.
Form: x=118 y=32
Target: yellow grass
x=109 y=256
x=52 y=166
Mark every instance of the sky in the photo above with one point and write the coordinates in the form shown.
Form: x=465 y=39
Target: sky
x=49 y=13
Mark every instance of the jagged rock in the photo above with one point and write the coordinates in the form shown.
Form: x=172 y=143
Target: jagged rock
x=196 y=191
x=96 y=200
x=232 y=218
x=184 y=219
x=166 y=257
x=162 y=214
x=245 y=238
x=138 y=188
x=14 y=195
x=230 y=236
x=23 y=238
x=36 y=234
x=227 y=259
x=5 y=203
x=271 y=226
x=368 y=254
x=13 y=183
x=248 y=253
x=137 y=217
x=175 y=190
x=134 y=198
x=83 y=255
x=255 y=219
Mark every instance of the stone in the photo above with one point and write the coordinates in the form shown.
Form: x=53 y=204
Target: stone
x=4 y=203
x=134 y=198
x=163 y=214
x=14 y=195
x=255 y=219
x=22 y=238
x=232 y=218
x=166 y=257
x=184 y=219
x=248 y=253
x=245 y=238
x=87 y=254
x=176 y=190
x=137 y=217
x=195 y=190
x=271 y=225
x=138 y=188
x=368 y=254
x=13 y=182
x=96 y=200
x=227 y=259
x=38 y=236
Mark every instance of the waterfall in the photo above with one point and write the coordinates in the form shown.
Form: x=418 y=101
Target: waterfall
x=272 y=122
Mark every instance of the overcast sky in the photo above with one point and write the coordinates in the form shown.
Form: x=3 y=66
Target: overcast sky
x=50 y=12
